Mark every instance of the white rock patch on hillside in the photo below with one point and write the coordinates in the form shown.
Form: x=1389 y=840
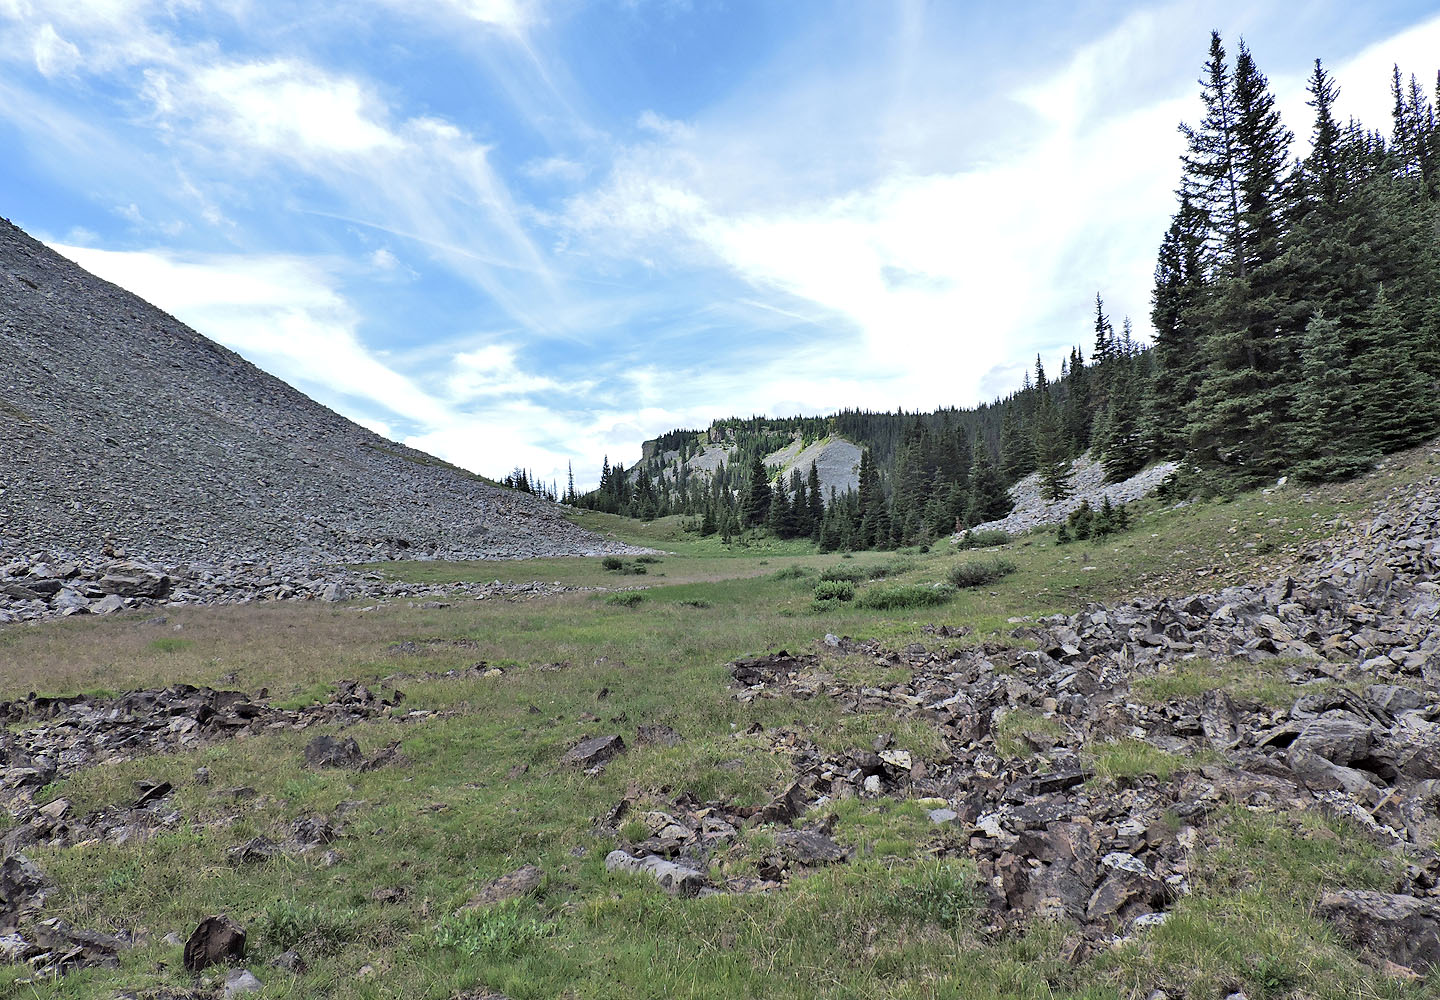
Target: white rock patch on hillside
x=836 y=460
x=1087 y=482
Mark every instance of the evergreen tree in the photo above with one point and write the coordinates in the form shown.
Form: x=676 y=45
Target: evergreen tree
x=817 y=502
x=1017 y=450
x=1179 y=289
x=1329 y=443
x=989 y=500
x=756 y=503
x=1051 y=455
x=1397 y=410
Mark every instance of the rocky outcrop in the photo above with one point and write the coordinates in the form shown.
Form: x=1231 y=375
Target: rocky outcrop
x=1087 y=484
x=124 y=431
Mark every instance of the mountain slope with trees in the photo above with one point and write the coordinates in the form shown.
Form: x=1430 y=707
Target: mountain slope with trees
x=1296 y=310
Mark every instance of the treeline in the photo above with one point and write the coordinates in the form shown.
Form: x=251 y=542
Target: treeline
x=1296 y=309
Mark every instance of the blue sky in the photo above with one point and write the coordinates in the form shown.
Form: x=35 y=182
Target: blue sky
x=538 y=231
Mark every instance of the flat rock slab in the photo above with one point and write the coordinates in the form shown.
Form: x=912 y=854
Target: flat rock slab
x=1401 y=929
x=520 y=882
x=809 y=847
x=594 y=751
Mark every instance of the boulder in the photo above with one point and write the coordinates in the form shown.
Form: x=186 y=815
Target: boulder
x=675 y=879
x=521 y=882
x=1400 y=929
x=593 y=752
x=326 y=751
x=216 y=941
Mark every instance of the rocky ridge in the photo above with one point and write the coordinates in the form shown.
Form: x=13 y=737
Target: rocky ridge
x=124 y=432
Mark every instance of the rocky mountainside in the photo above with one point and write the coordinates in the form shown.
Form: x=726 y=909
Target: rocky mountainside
x=124 y=432
x=836 y=460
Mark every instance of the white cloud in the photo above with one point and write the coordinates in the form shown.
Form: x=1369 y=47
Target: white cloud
x=282 y=107
x=54 y=56
x=383 y=260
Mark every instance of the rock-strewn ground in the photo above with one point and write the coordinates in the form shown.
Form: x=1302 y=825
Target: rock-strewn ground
x=125 y=433
x=1347 y=722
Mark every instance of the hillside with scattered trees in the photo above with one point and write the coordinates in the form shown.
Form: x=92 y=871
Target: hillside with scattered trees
x=1296 y=316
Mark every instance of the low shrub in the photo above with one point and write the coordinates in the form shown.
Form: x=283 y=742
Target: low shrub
x=695 y=602
x=988 y=538
x=893 y=568
x=835 y=590
x=628 y=599
x=841 y=574
x=647 y=560
x=790 y=573
x=978 y=572
x=612 y=563
x=500 y=930
x=892 y=597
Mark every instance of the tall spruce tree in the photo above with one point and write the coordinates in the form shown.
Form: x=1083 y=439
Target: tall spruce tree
x=989 y=500
x=1397 y=409
x=1328 y=438
x=756 y=503
x=1051 y=454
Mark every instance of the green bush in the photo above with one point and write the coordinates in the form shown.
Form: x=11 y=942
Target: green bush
x=501 y=930
x=895 y=596
x=836 y=574
x=835 y=590
x=628 y=599
x=634 y=571
x=790 y=573
x=978 y=572
x=893 y=568
x=695 y=602
x=612 y=563
x=648 y=560
x=983 y=539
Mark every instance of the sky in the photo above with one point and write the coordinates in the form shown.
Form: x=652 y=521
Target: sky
x=536 y=232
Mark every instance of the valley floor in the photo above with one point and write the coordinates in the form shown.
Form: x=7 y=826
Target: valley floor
x=381 y=870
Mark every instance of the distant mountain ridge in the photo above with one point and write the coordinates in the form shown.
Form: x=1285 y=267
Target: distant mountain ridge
x=123 y=429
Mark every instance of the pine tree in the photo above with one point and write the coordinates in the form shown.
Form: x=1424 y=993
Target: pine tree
x=1397 y=409
x=1179 y=290
x=1211 y=182
x=817 y=502
x=756 y=503
x=1050 y=453
x=1017 y=450
x=1328 y=440
x=989 y=500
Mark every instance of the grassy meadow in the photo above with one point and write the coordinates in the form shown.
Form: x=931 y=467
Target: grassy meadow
x=483 y=792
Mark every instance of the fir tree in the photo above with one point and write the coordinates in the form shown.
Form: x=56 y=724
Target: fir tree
x=1329 y=443
x=1398 y=411
x=756 y=503
x=1050 y=453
